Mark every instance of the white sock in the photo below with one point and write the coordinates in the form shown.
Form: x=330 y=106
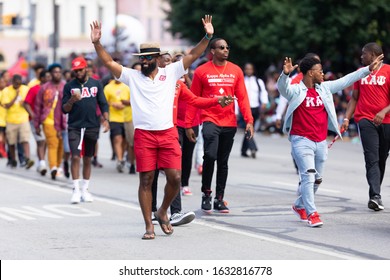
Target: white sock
x=85 y=185
x=76 y=184
x=42 y=162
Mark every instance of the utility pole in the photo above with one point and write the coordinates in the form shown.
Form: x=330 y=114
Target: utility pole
x=31 y=44
x=55 y=31
x=116 y=27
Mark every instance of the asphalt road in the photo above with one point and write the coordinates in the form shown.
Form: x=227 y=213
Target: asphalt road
x=37 y=221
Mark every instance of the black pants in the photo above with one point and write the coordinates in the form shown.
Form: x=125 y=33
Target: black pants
x=187 y=148
x=250 y=143
x=376 y=144
x=218 y=143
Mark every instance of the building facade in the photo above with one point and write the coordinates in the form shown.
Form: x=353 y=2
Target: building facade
x=52 y=29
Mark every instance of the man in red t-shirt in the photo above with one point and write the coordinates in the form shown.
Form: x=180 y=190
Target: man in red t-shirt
x=371 y=104
x=29 y=105
x=215 y=78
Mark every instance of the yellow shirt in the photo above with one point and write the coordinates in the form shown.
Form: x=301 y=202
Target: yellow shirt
x=16 y=114
x=3 y=112
x=114 y=93
x=33 y=82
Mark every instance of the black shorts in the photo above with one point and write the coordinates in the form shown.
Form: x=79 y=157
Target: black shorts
x=117 y=128
x=2 y=129
x=89 y=141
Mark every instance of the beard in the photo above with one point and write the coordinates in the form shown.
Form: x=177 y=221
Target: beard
x=148 y=69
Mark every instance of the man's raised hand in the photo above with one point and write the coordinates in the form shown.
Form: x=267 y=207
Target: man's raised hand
x=208 y=26
x=96 y=31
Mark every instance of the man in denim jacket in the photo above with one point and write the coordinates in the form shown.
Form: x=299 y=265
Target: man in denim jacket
x=310 y=114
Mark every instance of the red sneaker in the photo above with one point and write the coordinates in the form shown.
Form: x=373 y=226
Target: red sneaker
x=314 y=220
x=300 y=212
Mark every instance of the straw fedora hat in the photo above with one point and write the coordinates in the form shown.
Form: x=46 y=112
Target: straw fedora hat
x=149 y=49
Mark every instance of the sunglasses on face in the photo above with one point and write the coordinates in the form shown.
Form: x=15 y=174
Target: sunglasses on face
x=147 y=57
x=222 y=47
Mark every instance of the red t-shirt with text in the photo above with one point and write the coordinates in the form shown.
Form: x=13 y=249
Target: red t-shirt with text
x=310 y=119
x=374 y=94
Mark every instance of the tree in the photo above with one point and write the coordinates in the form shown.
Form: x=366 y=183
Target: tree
x=265 y=31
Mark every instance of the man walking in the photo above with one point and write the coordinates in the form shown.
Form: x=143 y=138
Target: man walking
x=215 y=78
x=371 y=104
x=81 y=96
x=155 y=137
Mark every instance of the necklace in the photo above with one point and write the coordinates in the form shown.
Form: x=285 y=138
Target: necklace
x=374 y=74
x=223 y=71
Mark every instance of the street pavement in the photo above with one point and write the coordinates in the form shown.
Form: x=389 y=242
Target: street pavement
x=38 y=222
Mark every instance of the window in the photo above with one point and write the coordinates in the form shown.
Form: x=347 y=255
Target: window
x=82 y=20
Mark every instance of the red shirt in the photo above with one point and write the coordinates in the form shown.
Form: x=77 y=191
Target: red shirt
x=310 y=119
x=184 y=96
x=297 y=79
x=31 y=96
x=210 y=81
x=374 y=94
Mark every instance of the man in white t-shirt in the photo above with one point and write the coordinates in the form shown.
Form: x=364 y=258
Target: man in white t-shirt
x=155 y=138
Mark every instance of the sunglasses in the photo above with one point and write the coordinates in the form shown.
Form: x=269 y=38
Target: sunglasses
x=222 y=47
x=147 y=57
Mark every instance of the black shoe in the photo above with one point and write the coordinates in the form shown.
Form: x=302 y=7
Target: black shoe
x=66 y=169
x=253 y=154
x=53 y=173
x=244 y=155
x=113 y=157
x=132 y=169
x=206 y=203
x=13 y=163
x=220 y=206
x=375 y=204
x=96 y=163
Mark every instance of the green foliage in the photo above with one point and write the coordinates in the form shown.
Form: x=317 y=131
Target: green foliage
x=265 y=31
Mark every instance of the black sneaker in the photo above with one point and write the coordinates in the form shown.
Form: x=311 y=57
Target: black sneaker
x=220 y=206
x=132 y=169
x=375 y=204
x=13 y=163
x=206 y=203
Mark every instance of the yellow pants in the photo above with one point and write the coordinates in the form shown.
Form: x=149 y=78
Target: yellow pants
x=55 y=146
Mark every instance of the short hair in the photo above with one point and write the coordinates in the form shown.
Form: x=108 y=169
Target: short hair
x=214 y=41
x=16 y=78
x=373 y=47
x=54 y=65
x=38 y=66
x=307 y=63
x=43 y=73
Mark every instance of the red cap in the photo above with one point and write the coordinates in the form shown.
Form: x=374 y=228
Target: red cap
x=79 y=63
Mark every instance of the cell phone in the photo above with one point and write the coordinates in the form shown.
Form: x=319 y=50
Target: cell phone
x=248 y=134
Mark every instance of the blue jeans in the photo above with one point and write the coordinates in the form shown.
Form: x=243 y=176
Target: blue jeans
x=310 y=157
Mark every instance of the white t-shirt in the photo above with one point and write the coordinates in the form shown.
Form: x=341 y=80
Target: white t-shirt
x=152 y=100
x=253 y=91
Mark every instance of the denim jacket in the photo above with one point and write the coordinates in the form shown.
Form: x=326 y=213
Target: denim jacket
x=295 y=94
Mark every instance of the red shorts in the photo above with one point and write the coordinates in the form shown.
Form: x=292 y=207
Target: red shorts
x=159 y=148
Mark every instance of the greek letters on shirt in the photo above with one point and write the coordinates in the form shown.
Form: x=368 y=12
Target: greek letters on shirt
x=85 y=92
x=314 y=102
x=373 y=80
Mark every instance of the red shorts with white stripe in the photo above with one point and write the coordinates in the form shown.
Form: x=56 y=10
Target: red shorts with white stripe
x=159 y=148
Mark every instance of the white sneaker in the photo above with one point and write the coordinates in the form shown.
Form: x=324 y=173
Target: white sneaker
x=76 y=197
x=86 y=196
x=42 y=168
x=178 y=219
